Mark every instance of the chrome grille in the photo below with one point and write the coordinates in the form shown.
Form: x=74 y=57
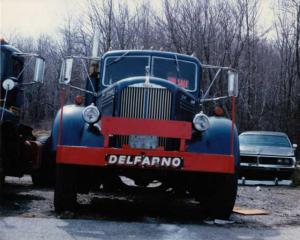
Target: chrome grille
x=145 y=103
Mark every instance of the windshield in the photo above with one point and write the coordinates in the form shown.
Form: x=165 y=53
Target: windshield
x=182 y=73
x=117 y=68
x=264 y=140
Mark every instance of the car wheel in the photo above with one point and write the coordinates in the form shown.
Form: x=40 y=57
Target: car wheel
x=65 y=192
x=217 y=195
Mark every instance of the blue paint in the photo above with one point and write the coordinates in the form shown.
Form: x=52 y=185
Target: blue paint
x=216 y=139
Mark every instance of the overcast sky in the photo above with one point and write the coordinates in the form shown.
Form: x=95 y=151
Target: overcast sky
x=34 y=17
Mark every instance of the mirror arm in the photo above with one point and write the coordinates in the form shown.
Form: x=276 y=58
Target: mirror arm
x=83 y=90
x=211 y=84
x=27 y=84
x=213 y=99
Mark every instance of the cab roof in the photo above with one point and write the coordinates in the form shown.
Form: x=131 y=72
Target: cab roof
x=9 y=48
x=151 y=53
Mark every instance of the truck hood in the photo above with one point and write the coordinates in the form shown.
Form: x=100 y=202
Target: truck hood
x=266 y=150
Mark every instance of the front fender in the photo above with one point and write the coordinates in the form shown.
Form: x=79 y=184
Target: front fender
x=216 y=139
x=75 y=131
x=72 y=126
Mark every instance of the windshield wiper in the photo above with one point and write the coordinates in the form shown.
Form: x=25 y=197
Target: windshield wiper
x=177 y=65
x=118 y=59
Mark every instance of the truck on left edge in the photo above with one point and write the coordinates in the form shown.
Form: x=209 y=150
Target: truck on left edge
x=20 y=150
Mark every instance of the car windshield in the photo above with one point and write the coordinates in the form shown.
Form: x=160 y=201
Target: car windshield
x=182 y=73
x=264 y=140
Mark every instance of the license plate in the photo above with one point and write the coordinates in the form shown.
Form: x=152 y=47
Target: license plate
x=144 y=161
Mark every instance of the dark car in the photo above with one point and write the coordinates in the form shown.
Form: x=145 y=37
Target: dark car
x=266 y=155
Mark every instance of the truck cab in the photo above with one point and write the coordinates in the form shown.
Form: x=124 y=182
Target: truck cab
x=144 y=118
x=18 y=148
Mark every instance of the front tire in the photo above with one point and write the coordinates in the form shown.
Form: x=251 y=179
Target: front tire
x=217 y=195
x=65 y=192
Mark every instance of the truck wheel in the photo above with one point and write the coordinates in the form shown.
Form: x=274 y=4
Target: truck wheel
x=65 y=192
x=1 y=163
x=1 y=180
x=45 y=175
x=218 y=194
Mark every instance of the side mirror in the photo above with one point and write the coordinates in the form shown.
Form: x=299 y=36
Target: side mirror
x=96 y=42
x=233 y=90
x=295 y=146
x=39 y=70
x=66 y=71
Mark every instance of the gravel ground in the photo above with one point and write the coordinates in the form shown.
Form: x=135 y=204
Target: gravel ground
x=283 y=203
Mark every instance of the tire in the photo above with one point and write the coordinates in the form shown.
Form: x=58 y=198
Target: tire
x=112 y=183
x=1 y=164
x=217 y=195
x=1 y=180
x=65 y=192
x=45 y=175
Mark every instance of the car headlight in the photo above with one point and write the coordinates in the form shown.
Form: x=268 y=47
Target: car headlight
x=90 y=114
x=201 y=122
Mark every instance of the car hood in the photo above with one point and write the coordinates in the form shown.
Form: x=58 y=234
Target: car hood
x=266 y=150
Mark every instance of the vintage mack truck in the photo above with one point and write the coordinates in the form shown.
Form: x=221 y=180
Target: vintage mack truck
x=20 y=153
x=145 y=117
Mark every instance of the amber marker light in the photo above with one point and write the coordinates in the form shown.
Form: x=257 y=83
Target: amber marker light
x=79 y=100
x=219 y=111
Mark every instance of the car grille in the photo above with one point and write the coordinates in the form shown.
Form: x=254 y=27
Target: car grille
x=248 y=159
x=267 y=160
x=145 y=103
x=275 y=161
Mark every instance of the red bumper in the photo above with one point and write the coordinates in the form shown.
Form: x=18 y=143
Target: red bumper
x=145 y=158
x=92 y=156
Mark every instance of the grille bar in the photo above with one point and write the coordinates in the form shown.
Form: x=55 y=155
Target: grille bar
x=146 y=103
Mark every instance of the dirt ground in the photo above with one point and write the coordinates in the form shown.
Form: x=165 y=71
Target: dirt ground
x=282 y=202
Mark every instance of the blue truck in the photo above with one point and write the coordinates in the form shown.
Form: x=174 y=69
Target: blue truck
x=20 y=153
x=146 y=116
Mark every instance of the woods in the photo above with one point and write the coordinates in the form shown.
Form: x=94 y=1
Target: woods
x=217 y=32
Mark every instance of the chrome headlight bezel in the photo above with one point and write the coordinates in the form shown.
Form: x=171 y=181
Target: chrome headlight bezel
x=201 y=122
x=91 y=114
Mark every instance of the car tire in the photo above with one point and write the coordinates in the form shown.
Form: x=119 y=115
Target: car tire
x=65 y=191
x=217 y=195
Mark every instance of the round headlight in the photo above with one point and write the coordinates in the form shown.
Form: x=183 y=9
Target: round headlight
x=201 y=122
x=91 y=114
